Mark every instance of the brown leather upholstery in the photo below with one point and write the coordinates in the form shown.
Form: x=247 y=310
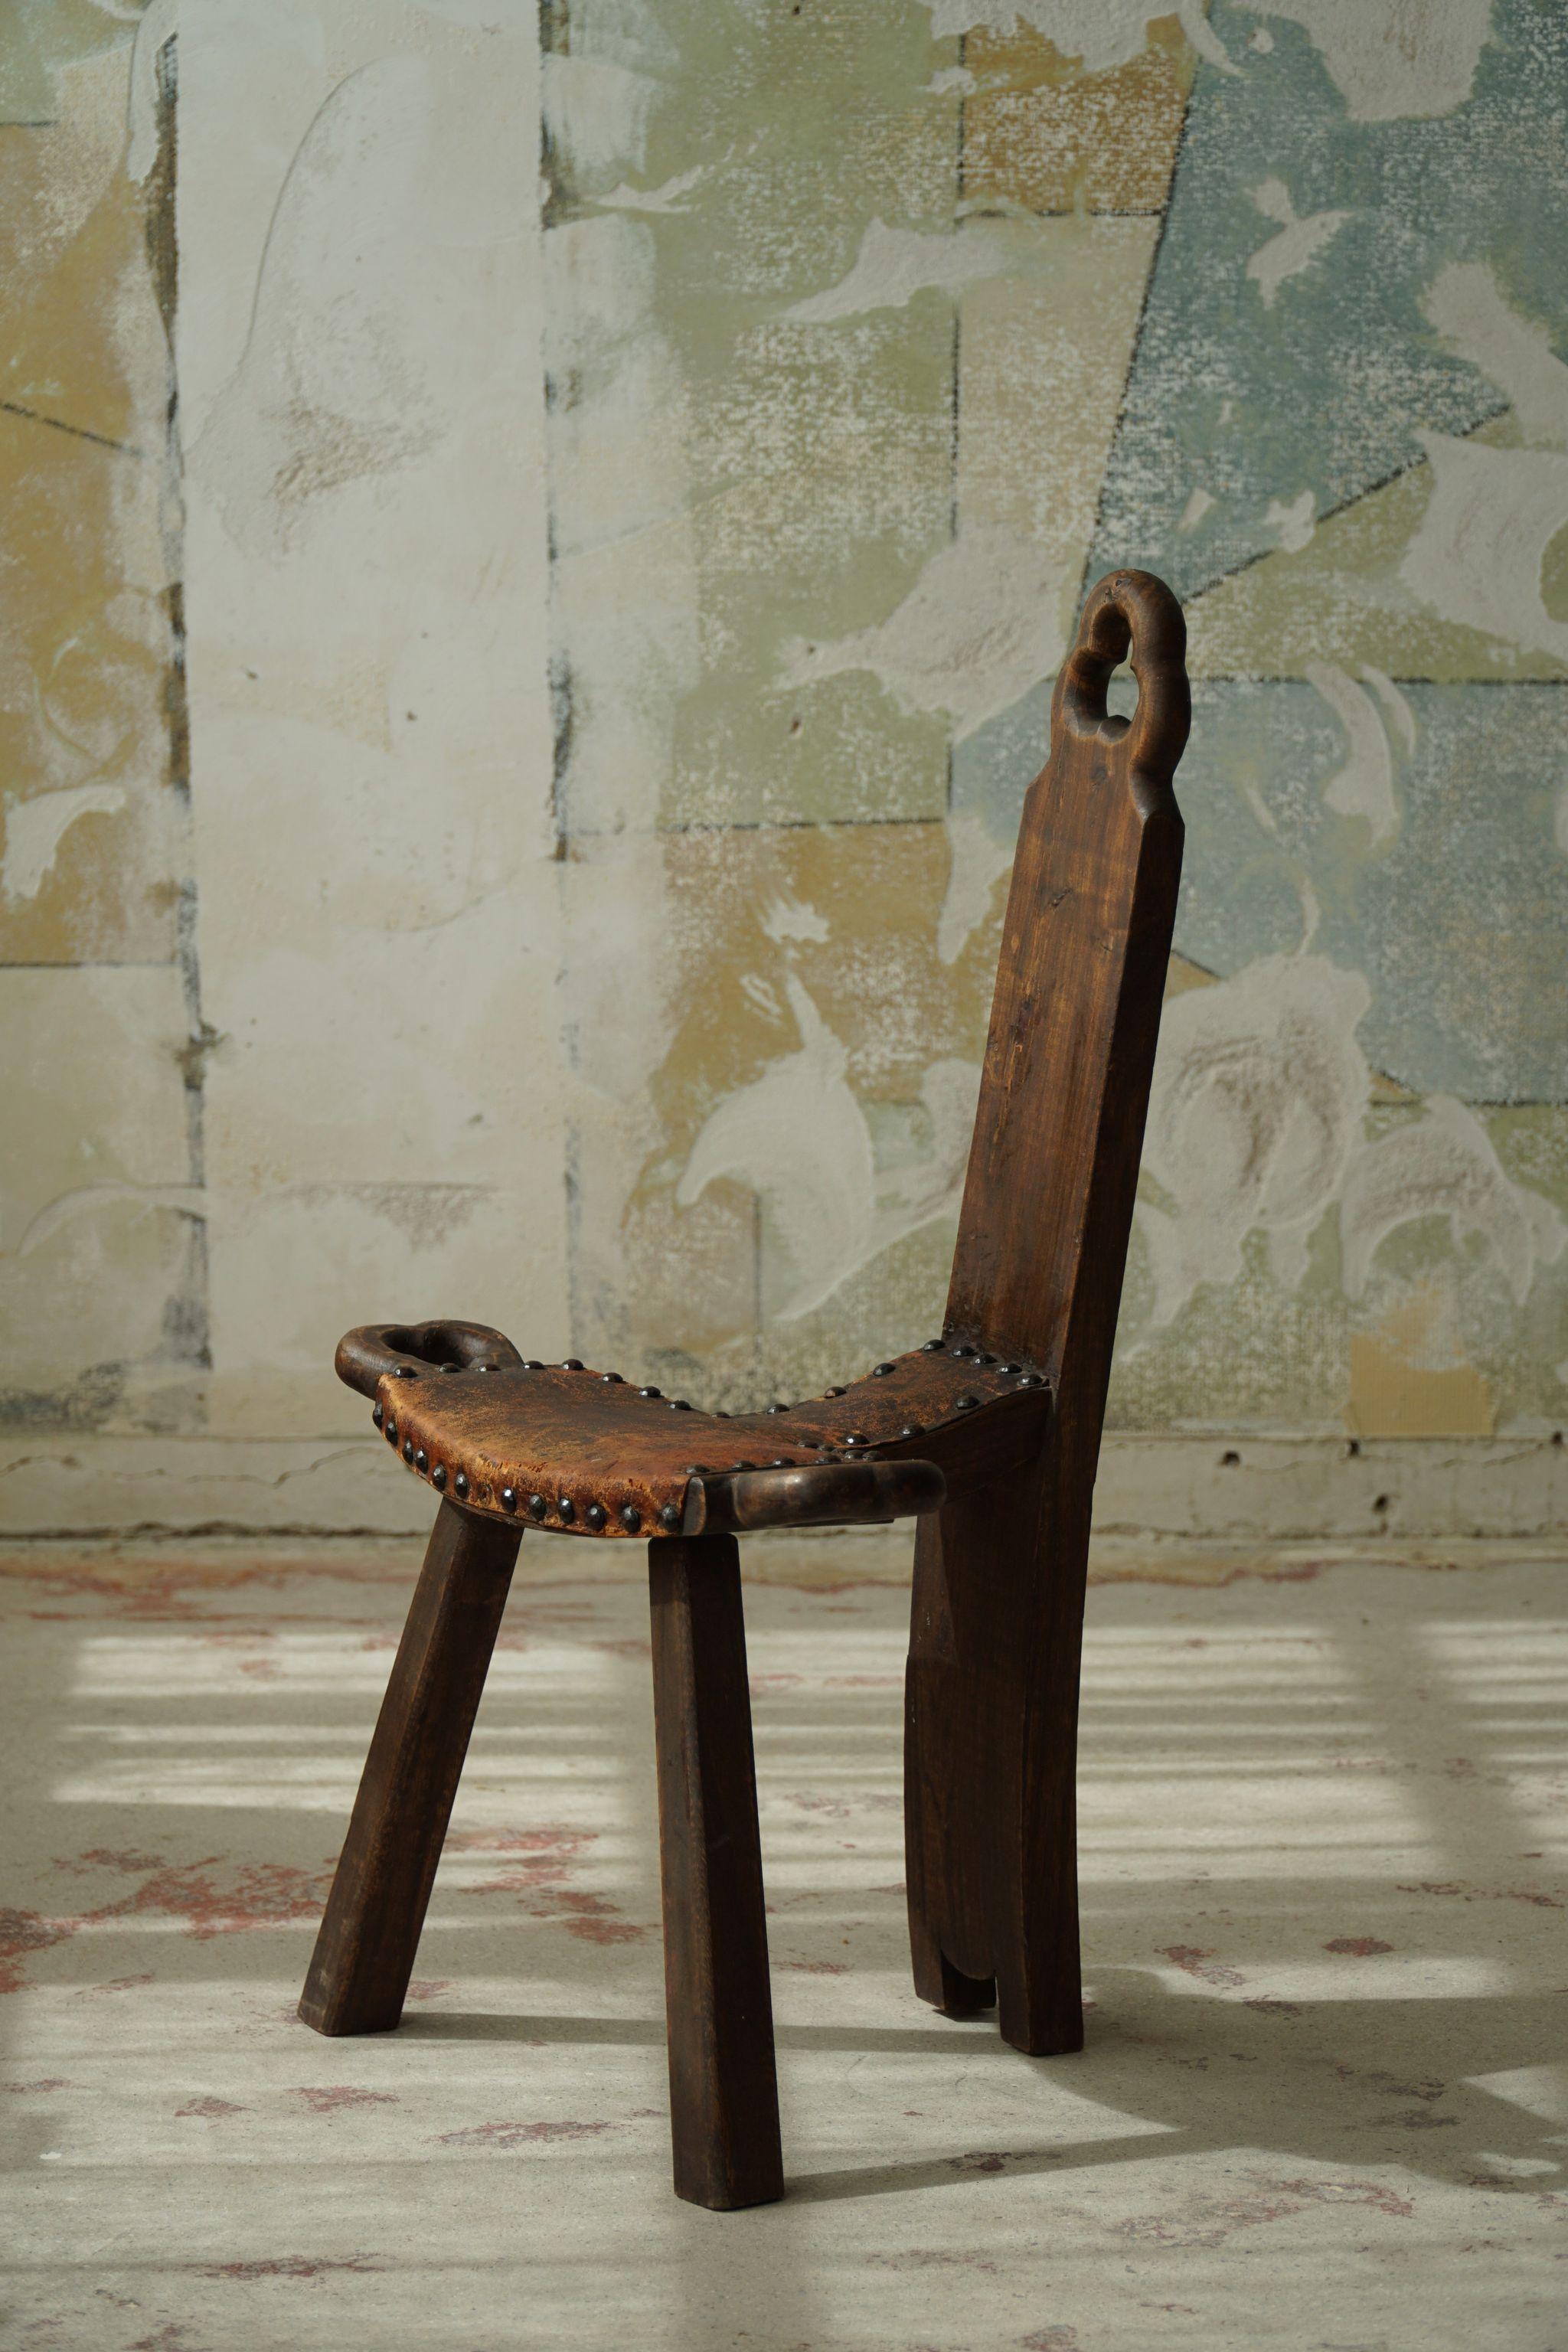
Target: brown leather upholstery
x=579 y=1452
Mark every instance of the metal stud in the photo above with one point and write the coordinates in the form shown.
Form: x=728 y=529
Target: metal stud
x=421 y=1460
x=408 y=1449
x=670 y=1518
x=678 y=1404
x=509 y=1499
x=1010 y=1368
x=742 y=1465
x=912 y=1429
x=537 y=1507
x=965 y=1403
x=650 y=1391
x=781 y=1464
x=879 y=1371
x=856 y=1437
x=596 y=1515
x=460 y=1486
x=533 y=1364
x=571 y=1363
x=827 y=1392
x=778 y=1408
x=693 y=1470
x=405 y=1371
x=612 y=1379
x=392 y=1432
x=630 y=1517
x=566 y=1510
x=483 y=1368
x=438 y=1477
x=451 y=1367
x=1030 y=1380
x=933 y=1347
x=961 y=1349
x=377 y=1416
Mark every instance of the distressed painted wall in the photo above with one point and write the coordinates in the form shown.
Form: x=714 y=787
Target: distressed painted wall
x=536 y=554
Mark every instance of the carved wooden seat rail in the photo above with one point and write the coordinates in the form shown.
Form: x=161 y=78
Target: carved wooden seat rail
x=989 y=1434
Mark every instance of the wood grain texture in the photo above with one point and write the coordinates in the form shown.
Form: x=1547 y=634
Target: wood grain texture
x=365 y=1947
x=991 y=1711
x=723 y=2099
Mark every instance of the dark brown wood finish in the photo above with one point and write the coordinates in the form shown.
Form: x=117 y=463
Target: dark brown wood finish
x=723 y=2102
x=365 y=1947
x=997 y=1624
x=989 y=1434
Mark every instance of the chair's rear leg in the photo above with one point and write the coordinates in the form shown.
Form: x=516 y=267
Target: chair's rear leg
x=989 y=1756
x=723 y=2097
x=364 y=1951
x=938 y=1981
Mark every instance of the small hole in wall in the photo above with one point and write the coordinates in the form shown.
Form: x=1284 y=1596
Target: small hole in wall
x=1557 y=1437
x=1380 y=1504
x=1353 y=1451
x=794 y=727
x=1230 y=1461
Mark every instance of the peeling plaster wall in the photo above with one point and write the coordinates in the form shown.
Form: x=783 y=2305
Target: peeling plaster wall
x=538 y=547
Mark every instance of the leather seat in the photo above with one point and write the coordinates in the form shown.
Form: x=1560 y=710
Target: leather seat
x=579 y=1452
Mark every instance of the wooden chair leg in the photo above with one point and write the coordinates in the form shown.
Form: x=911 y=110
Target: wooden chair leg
x=723 y=2097
x=991 y=1716
x=364 y=1951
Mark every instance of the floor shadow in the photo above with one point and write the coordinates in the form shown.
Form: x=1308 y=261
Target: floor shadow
x=1348 y=2083
x=473 y=2025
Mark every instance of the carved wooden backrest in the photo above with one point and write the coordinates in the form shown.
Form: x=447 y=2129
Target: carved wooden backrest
x=1048 y=1204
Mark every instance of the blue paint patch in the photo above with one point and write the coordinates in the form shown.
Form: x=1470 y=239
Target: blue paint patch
x=1458 y=922
x=1324 y=388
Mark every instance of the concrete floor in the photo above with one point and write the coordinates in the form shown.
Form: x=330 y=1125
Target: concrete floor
x=1324 y=1893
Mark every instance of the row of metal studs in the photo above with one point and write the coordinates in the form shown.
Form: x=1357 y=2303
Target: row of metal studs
x=596 y=1515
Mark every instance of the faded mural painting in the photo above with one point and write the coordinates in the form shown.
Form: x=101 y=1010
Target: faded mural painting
x=632 y=477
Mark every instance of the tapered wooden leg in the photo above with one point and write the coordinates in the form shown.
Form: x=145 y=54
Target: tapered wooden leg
x=364 y=1951
x=990 y=1716
x=723 y=2097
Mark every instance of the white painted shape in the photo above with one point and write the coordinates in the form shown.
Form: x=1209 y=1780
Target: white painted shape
x=1298 y=244
x=1391 y=59
x=1198 y=505
x=1477 y=323
x=35 y=829
x=1294 y=519
x=789 y=919
x=1444 y=1165
x=1363 y=787
x=979 y=628
x=1400 y=716
x=665 y=198
x=1260 y=1087
x=976 y=859
x=1476 y=555
x=894 y=265
x=798 y=1137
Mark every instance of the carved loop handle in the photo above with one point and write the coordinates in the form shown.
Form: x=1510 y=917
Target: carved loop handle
x=366 y=1355
x=1129 y=610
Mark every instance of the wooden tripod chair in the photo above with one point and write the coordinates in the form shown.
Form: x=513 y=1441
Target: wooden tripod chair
x=990 y=1434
